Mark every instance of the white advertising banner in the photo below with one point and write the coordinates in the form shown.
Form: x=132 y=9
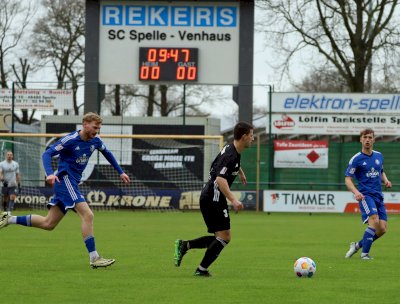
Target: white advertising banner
x=42 y=99
x=300 y=154
x=330 y=124
x=321 y=201
x=361 y=103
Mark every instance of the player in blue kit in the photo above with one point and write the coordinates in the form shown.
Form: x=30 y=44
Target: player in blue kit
x=367 y=168
x=73 y=152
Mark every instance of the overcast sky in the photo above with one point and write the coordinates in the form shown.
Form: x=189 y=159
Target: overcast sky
x=263 y=74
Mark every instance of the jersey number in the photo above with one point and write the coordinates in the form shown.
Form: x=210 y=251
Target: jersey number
x=216 y=193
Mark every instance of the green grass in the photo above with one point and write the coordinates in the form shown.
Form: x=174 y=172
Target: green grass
x=257 y=267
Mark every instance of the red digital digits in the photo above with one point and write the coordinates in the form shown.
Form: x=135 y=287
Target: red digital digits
x=168 y=64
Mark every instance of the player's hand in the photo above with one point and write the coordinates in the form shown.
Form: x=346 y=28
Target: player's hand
x=51 y=179
x=358 y=196
x=125 y=178
x=243 y=178
x=388 y=184
x=237 y=205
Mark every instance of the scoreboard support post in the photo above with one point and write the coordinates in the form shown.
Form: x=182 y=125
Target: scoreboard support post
x=246 y=37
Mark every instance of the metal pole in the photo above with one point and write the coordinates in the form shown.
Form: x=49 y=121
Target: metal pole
x=270 y=143
x=258 y=175
x=369 y=68
x=12 y=106
x=184 y=104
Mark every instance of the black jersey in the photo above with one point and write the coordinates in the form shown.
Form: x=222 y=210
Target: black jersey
x=226 y=165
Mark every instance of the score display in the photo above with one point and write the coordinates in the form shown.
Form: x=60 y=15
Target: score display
x=168 y=64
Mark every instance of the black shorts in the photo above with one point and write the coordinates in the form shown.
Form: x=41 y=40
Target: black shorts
x=9 y=191
x=215 y=214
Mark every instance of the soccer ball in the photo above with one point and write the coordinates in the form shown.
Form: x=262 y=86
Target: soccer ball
x=304 y=267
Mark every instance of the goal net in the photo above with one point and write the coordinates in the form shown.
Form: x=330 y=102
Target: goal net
x=162 y=168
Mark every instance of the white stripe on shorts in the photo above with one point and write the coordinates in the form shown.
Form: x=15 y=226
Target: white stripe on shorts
x=70 y=188
x=365 y=205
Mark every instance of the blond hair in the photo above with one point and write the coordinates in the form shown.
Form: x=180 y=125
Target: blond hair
x=90 y=116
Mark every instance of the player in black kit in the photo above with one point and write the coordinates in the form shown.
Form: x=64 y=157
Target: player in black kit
x=213 y=204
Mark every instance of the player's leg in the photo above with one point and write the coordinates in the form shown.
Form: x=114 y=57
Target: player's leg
x=11 y=201
x=183 y=246
x=369 y=235
x=4 y=192
x=216 y=216
x=381 y=229
x=48 y=222
x=365 y=209
x=369 y=213
x=5 y=202
x=86 y=215
x=222 y=239
x=382 y=225
x=377 y=223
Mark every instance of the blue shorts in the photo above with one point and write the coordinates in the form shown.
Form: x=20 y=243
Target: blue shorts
x=66 y=195
x=370 y=206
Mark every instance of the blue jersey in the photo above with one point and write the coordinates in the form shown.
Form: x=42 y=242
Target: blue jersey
x=367 y=170
x=74 y=154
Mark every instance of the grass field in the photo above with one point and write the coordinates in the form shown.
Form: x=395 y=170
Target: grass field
x=257 y=267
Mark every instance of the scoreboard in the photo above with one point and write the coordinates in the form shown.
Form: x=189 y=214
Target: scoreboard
x=145 y=42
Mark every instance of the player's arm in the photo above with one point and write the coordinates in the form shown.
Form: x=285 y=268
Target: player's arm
x=242 y=176
x=386 y=181
x=224 y=188
x=55 y=149
x=18 y=179
x=18 y=175
x=350 y=185
x=111 y=159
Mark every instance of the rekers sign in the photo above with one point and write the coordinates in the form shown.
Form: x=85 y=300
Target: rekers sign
x=165 y=15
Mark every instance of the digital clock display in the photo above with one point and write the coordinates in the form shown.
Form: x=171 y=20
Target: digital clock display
x=168 y=64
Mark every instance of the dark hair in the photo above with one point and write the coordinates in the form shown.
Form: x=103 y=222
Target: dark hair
x=367 y=131
x=241 y=128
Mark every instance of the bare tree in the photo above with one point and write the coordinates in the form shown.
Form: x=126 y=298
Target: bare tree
x=151 y=100
x=322 y=79
x=119 y=98
x=162 y=100
x=21 y=72
x=344 y=34
x=14 y=18
x=59 y=40
x=173 y=100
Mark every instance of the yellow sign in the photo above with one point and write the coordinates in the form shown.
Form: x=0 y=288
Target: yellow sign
x=5 y=120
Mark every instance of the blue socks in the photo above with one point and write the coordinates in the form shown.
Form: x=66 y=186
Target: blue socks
x=368 y=238
x=24 y=220
x=360 y=243
x=89 y=242
x=91 y=247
